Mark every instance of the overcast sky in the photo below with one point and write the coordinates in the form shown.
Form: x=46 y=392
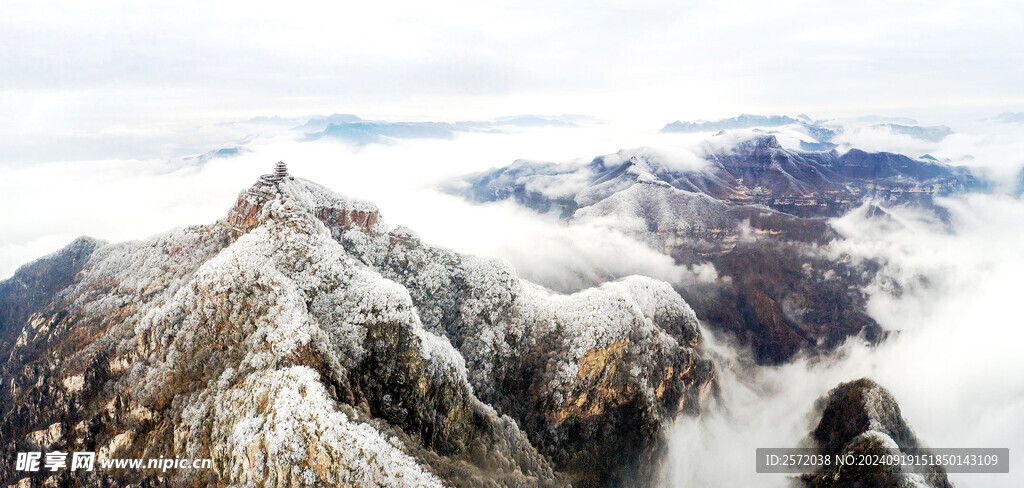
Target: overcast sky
x=127 y=67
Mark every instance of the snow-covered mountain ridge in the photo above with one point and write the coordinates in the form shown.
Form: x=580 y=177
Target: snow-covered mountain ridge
x=300 y=342
x=755 y=211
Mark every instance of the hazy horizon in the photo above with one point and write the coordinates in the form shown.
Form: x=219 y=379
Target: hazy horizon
x=116 y=73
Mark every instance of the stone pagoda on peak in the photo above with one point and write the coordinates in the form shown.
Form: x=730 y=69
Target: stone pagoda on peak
x=280 y=171
x=279 y=174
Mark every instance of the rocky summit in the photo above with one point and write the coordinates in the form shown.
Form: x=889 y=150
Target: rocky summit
x=302 y=342
x=861 y=418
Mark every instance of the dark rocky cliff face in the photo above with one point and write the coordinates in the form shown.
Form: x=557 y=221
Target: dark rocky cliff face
x=299 y=342
x=862 y=418
x=36 y=284
x=588 y=380
x=757 y=212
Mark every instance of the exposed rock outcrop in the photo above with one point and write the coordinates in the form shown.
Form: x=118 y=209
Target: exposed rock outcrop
x=590 y=376
x=862 y=418
x=299 y=342
x=334 y=212
x=36 y=284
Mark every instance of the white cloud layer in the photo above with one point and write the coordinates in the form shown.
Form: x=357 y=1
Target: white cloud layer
x=954 y=366
x=996 y=150
x=953 y=363
x=127 y=199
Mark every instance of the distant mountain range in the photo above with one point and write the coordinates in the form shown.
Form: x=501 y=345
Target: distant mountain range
x=1010 y=118
x=823 y=131
x=755 y=210
x=756 y=171
x=742 y=121
x=934 y=133
x=353 y=129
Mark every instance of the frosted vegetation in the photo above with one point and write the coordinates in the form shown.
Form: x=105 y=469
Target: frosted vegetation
x=249 y=343
x=281 y=425
x=651 y=211
x=280 y=292
x=497 y=319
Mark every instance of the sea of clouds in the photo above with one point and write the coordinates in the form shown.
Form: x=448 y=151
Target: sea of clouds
x=949 y=292
x=119 y=198
x=953 y=361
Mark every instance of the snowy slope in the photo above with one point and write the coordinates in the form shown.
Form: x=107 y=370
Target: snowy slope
x=741 y=204
x=300 y=342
